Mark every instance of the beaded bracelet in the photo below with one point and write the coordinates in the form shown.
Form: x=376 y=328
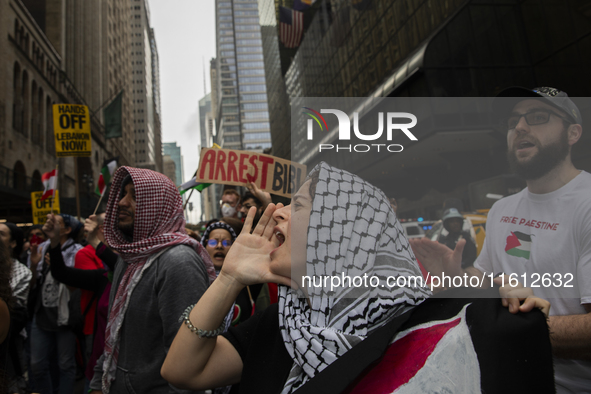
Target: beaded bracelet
x=201 y=333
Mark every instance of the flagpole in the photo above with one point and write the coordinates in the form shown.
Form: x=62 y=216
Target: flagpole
x=99 y=203
x=188 y=198
x=77 y=188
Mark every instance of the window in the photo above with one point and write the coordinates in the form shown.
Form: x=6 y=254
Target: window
x=228 y=75
x=258 y=71
x=247 y=27
x=225 y=18
x=253 y=97
x=257 y=136
x=252 y=79
x=226 y=39
x=227 y=53
x=246 y=6
x=231 y=138
x=230 y=118
x=224 y=4
x=225 y=26
x=255 y=126
x=226 y=32
x=255 y=115
x=249 y=42
x=252 y=88
x=248 y=106
x=263 y=145
x=229 y=100
x=249 y=49
x=254 y=34
x=229 y=110
x=228 y=68
x=247 y=20
x=254 y=56
x=227 y=46
x=250 y=64
x=246 y=13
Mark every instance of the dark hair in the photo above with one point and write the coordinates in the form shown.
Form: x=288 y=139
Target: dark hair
x=249 y=195
x=73 y=223
x=236 y=224
x=17 y=235
x=5 y=275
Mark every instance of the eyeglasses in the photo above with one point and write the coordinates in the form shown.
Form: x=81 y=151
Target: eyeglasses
x=533 y=118
x=212 y=243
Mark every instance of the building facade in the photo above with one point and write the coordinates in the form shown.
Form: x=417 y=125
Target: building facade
x=59 y=52
x=242 y=111
x=145 y=88
x=174 y=152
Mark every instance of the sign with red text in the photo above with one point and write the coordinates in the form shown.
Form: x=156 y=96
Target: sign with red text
x=237 y=167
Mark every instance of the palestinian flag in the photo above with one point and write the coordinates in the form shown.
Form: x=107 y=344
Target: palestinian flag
x=518 y=244
x=459 y=341
x=109 y=167
x=193 y=184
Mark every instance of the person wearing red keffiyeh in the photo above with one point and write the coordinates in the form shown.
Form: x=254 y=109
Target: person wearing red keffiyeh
x=160 y=272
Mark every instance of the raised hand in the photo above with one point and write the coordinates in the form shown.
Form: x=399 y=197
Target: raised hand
x=438 y=258
x=91 y=227
x=264 y=197
x=249 y=258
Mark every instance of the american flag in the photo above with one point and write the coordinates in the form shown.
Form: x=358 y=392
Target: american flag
x=291 y=27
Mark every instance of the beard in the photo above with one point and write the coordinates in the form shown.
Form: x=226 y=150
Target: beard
x=547 y=158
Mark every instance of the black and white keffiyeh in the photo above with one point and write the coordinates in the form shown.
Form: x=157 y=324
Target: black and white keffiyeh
x=352 y=231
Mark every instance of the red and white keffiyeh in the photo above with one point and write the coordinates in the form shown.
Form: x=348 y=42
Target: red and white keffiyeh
x=159 y=223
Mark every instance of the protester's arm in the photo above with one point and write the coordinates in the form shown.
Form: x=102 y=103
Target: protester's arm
x=264 y=197
x=21 y=288
x=105 y=253
x=4 y=320
x=571 y=335
x=84 y=279
x=202 y=363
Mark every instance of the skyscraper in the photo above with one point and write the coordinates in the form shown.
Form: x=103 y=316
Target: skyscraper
x=241 y=109
x=145 y=89
x=171 y=149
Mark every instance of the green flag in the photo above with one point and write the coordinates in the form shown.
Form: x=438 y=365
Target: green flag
x=113 y=117
x=193 y=184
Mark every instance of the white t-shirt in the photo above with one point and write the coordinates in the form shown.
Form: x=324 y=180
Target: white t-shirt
x=545 y=239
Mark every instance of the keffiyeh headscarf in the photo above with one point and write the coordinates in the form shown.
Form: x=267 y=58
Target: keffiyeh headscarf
x=159 y=223
x=352 y=231
x=214 y=226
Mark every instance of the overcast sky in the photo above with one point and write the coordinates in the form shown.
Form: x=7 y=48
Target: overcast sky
x=185 y=35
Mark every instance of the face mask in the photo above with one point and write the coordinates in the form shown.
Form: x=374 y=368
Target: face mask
x=228 y=210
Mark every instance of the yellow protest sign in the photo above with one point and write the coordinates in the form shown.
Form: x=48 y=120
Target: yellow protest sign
x=42 y=208
x=71 y=126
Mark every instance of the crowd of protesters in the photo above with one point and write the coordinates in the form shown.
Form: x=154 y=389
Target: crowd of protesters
x=131 y=301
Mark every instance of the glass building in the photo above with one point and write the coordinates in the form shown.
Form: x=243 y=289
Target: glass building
x=429 y=48
x=242 y=110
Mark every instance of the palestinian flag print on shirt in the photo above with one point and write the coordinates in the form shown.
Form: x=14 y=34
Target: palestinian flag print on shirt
x=518 y=244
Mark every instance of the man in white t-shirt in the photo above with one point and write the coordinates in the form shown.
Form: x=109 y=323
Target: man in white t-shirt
x=542 y=235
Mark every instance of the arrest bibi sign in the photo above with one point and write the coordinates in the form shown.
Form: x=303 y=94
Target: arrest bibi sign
x=238 y=167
